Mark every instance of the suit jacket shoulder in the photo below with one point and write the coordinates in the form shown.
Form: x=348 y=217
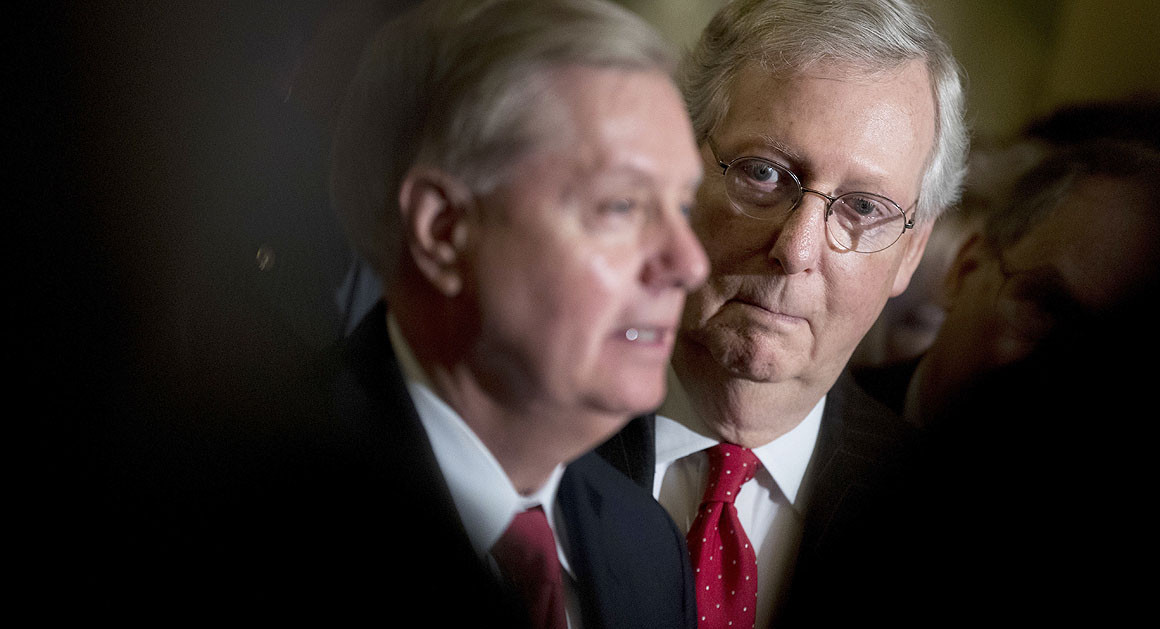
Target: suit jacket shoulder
x=887 y=383
x=394 y=508
x=330 y=504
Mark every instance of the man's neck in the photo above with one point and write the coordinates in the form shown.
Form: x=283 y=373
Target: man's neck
x=529 y=441
x=528 y=438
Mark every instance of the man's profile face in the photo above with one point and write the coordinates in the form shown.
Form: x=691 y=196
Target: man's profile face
x=580 y=262
x=783 y=302
x=1003 y=305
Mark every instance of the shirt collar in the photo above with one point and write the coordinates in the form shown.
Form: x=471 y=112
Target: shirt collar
x=483 y=494
x=680 y=431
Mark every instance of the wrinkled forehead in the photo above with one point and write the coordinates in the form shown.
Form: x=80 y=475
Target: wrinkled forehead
x=870 y=126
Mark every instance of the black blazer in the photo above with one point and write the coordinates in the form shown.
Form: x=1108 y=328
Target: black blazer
x=861 y=451
x=329 y=506
x=628 y=558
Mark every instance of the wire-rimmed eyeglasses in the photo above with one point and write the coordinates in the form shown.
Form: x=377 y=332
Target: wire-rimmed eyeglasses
x=762 y=189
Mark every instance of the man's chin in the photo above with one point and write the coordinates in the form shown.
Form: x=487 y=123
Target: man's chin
x=635 y=397
x=743 y=357
x=760 y=371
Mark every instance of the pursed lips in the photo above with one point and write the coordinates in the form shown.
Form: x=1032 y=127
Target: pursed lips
x=767 y=306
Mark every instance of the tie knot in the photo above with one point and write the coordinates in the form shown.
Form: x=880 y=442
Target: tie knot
x=730 y=467
x=527 y=542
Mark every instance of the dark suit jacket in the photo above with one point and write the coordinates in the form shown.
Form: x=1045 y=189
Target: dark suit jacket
x=861 y=450
x=888 y=383
x=335 y=509
x=628 y=558
x=1028 y=503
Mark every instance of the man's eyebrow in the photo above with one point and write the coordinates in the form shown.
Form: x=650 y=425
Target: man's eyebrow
x=795 y=159
x=631 y=173
x=781 y=147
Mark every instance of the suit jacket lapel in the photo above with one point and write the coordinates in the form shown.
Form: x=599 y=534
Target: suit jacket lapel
x=858 y=444
x=628 y=557
x=373 y=397
x=420 y=526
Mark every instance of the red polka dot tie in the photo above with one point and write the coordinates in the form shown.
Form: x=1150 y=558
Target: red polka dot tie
x=526 y=555
x=722 y=555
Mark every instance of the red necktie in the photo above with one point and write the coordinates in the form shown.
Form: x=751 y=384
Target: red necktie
x=526 y=555
x=722 y=555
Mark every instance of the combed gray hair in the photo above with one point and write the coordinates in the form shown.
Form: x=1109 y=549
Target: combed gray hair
x=789 y=37
x=458 y=84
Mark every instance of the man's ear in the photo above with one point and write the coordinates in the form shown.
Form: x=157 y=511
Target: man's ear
x=915 y=246
x=968 y=259
x=435 y=207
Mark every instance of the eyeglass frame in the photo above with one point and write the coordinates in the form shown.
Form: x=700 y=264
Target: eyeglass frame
x=802 y=190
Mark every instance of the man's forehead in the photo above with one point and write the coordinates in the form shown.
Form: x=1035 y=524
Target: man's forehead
x=880 y=123
x=621 y=119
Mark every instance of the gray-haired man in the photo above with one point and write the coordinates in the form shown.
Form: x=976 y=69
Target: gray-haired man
x=832 y=137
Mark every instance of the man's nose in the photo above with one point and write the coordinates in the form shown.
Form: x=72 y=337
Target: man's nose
x=680 y=259
x=799 y=243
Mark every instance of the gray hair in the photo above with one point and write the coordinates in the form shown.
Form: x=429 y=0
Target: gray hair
x=457 y=85
x=788 y=37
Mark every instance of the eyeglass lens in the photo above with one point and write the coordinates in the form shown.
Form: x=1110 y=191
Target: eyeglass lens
x=857 y=221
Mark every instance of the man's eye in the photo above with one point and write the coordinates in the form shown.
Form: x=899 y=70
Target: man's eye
x=619 y=206
x=866 y=207
x=760 y=171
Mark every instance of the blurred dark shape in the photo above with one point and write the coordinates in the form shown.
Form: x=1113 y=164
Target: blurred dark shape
x=1076 y=236
x=1030 y=498
x=1132 y=119
x=909 y=322
x=1033 y=503
x=180 y=257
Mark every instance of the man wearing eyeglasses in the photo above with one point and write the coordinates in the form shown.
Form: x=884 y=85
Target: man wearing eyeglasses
x=1045 y=263
x=1031 y=503
x=832 y=138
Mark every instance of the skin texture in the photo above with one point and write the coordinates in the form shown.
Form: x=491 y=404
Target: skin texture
x=1067 y=262
x=784 y=308
x=542 y=282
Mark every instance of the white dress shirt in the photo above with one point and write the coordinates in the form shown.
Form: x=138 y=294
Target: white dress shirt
x=484 y=496
x=768 y=506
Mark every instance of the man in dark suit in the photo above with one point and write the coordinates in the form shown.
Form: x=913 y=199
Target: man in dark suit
x=517 y=173
x=1020 y=395
x=1038 y=265
x=832 y=138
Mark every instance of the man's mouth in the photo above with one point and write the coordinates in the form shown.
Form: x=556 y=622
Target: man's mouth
x=644 y=334
x=772 y=309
